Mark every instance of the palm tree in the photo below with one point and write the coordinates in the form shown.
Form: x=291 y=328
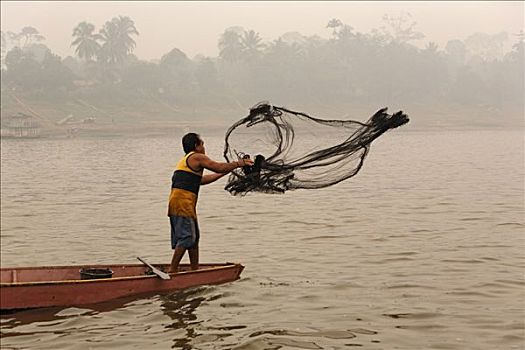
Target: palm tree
x=117 y=43
x=126 y=28
x=334 y=23
x=230 y=46
x=86 y=43
x=431 y=47
x=109 y=50
x=252 y=46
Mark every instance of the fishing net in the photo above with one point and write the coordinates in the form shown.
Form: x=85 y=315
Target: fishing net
x=292 y=150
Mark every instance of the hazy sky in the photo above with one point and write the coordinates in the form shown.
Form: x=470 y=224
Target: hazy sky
x=195 y=27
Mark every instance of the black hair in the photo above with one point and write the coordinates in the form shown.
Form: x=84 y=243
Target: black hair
x=190 y=142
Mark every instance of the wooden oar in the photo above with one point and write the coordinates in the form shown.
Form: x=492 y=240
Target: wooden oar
x=156 y=271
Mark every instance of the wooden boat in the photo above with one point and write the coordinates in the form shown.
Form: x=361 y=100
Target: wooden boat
x=32 y=287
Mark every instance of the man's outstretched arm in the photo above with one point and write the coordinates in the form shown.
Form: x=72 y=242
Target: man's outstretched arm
x=199 y=161
x=208 y=179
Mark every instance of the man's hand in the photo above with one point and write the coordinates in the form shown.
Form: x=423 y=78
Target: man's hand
x=245 y=161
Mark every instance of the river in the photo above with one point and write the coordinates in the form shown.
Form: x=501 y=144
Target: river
x=423 y=249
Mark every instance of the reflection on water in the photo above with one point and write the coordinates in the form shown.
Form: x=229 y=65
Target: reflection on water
x=181 y=307
x=423 y=249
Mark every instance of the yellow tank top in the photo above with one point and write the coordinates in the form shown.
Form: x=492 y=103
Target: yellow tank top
x=185 y=185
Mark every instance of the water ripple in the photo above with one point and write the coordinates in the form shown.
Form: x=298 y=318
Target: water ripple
x=423 y=258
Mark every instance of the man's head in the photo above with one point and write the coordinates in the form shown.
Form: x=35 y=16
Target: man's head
x=192 y=142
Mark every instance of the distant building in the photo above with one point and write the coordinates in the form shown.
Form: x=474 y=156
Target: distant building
x=20 y=126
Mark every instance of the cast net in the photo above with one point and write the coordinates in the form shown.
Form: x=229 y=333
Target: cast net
x=293 y=150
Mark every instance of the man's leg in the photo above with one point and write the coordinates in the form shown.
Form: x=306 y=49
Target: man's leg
x=194 y=257
x=178 y=253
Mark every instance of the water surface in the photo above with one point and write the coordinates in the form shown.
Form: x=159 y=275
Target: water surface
x=423 y=249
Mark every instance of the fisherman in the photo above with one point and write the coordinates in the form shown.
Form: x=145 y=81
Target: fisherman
x=186 y=181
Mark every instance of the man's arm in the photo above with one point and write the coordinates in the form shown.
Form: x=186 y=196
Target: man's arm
x=199 y=161
x=208 y=179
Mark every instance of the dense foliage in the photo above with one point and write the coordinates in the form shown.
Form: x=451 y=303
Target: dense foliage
x=350 y=68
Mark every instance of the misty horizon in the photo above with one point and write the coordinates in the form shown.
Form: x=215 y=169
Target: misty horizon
x=185 y=26
x=319 y=60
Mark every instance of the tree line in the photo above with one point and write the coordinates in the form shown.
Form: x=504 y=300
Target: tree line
x=349 y=68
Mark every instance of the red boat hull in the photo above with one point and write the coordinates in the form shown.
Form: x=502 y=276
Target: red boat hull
x=32 y=287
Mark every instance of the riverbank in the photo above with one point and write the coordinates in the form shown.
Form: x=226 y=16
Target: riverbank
x=64 y=118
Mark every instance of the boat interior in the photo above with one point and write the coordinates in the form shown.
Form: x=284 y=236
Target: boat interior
x=69 y=273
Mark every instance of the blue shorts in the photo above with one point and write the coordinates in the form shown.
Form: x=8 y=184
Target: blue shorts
x=184 y=232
